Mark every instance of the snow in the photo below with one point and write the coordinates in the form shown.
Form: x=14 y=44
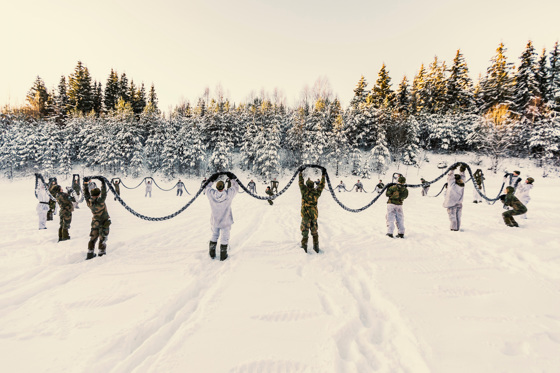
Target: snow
x=485 y=299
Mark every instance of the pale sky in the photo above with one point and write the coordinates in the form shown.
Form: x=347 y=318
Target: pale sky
x=247 y=46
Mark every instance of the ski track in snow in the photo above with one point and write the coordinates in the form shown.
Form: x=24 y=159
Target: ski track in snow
x=485 y=299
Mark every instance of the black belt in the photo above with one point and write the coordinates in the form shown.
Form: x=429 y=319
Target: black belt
x=46 y=203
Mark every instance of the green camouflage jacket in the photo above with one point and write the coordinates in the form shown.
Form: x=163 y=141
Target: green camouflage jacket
x=309 y=198
x=396 y=193
x=478 y=178
x=65 y=201
x=514 y=203
x=97 y=205
x=53 y=189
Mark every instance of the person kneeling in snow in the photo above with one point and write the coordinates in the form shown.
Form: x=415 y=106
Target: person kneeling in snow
x=517 y=207
x=453 y=201
x=222 y=217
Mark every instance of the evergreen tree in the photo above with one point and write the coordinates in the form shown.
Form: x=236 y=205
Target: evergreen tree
x=497 y=85
x=61 y=102
x=418 y=93
x=80 y=90
x=542 y=78
x=459 y=88
x=97 y=98
x=434 y=88
x=112 y=91
x=123 y=89
x=360 y=94
x=402 y=104
x=382 y=96
x=554 y=78
x=152 y=97
x=38 y=97
x=526 y=87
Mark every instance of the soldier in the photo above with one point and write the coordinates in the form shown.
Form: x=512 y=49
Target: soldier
x=522 y=193
x=425 y=187
x=397 y=194
x=274 y=183
x=253 y=187
x=66 y=203
x=341 y=186
x=379 y=187
x=222 y=217
x=43 y=205
x=517 y=208
x=453 y=200
x=359 y=186
x=117 y=186
x=478 y=179
x=100 y=221
x=148 y=188
x=53 y=190
x=309 y=211
x=180 y=187
x=269 y=192
x=513 y=179
x=76 y=189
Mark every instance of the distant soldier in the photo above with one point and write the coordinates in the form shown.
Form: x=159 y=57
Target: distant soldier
x=517 y=208
x=522 y=193
x=43 y=205
x=478 y=180
x=148 y=188
x=180 y=187
x=222 y=216
x=397 y=194
x=76 y=189
x=269 y=192
x=359 y=186
x=117 y=186
x=100 y=221
x=453 y=200
x=379 y=187
x=274 y=187
x=252 y=187
x=425 y=187
x=513 y=179
x=341 y=186
x=309 y=211
x=53 y=190
x=66 y=204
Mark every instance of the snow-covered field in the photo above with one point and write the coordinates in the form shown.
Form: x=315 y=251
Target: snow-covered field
x=486 y=299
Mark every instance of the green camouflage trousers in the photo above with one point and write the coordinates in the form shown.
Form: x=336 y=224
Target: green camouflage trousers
x=308 y=224
x=99 y=230
x=65 y=219
x=509 y=214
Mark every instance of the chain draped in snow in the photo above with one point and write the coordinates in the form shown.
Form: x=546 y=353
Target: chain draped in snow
x=246 y=190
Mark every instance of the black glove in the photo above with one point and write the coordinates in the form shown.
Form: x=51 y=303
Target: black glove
x=86 y=179
x=213 y=178
x=503 y=198
x=463 y=167
x=506 y=174
x=230 y=175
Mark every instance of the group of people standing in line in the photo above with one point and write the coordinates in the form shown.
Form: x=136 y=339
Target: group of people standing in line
x=220 y=198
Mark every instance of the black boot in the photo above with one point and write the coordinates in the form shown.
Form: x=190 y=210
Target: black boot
x=90 y=255
x=223 y=252
x=60 y=235
x=304 y=244
x=316 y=243
x=212 y=250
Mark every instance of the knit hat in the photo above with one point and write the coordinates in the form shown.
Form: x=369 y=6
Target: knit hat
x=530 y=180
x=310 y=183
x=402 y=179
x=95 y=192
x=510 y=189
x=516 y=172
x=220 y=185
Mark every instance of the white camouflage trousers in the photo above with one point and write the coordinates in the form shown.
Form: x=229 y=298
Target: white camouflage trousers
x=395 y=215
x=455 y=213
x=223 y=232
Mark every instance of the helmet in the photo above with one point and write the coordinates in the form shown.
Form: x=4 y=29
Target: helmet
x=401 y=179
x=95 y=192
x=310 y=183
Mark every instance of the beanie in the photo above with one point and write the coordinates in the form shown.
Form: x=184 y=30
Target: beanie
x=402 y=179
x=220 y=185
x=95 y=192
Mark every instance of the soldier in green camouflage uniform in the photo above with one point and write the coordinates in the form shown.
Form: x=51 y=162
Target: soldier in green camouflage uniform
x=100 y=221
x=66 y=203
x=270 y=193
x=517 y=208
x=53 y=190
x=478 y=179
x=396 y=193
x=309 y=212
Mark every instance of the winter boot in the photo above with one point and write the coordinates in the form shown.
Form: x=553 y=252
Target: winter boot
x=304 y=244
x=316 y=243
x=400 y=235
x=223 y=252
x=212 y=251
x=389 y=235
x=90 y=255
x=65 y=234
x=60 y=236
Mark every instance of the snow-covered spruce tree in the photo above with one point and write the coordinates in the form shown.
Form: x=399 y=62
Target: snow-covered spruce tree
x=193 y=146
x=8 y=158
x=314 y=134
x=219 y=133
x=493 y=133
x=111 y=96
x=91 y=135
x=554 y=78
x=459 y=87
x=382 y=95
x=434 y=88
x=80 y=90
x=38 y=98
x=267 y=160
x=380 y=156
x=541 y=75
x=155 y=127
x=526 y=91
x=545 y=140
x=53 y=148
x=497 y=85
x=171 y=148
x=60 y=109
x=356 y=161
x=360 y=93
x=337 y=147
x=402 y=98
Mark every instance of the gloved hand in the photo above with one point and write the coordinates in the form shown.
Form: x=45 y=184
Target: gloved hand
x=230 y=175
x=86 y=179
x=503 y=198
x=213 y=178
x=463 y=167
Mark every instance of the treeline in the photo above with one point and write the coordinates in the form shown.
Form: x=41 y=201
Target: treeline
x=509 y=111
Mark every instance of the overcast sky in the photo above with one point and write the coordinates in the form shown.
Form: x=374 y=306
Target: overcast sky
x=247 y=46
